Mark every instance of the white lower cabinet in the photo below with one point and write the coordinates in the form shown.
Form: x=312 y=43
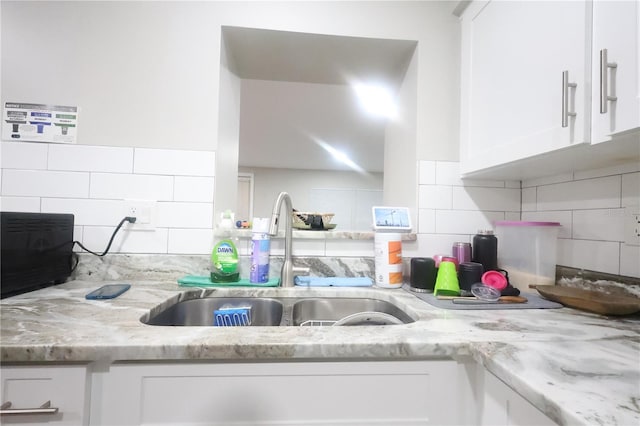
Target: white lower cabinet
x=304 y=393
x=498 y=404
x=25 y=388
x=391 y=393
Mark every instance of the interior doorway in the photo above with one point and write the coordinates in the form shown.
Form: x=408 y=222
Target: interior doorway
x=244 y=209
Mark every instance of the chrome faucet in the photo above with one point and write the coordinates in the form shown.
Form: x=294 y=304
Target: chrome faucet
x=286 y=276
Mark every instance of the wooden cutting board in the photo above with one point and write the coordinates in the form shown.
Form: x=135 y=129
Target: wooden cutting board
x=590 y=300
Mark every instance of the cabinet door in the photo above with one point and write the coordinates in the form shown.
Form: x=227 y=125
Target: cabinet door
x=615 y=28
x=501 y=405
x=28 y=387
x=514 y=54
x=304 y=393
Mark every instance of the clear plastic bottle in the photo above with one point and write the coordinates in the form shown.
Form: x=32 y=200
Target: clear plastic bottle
x=260 y=246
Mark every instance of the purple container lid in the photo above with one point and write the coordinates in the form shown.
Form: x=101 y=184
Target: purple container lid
x=522 y=223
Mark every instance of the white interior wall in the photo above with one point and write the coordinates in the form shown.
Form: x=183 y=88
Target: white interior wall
x=399 y=153
x=147 y=74
x=298 y=183
x=228 y=138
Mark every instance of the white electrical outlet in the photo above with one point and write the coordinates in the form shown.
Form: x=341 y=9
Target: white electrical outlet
x=632 y=226
x=144 y=211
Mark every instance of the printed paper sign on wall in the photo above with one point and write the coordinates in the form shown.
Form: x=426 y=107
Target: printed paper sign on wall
x=39 y=123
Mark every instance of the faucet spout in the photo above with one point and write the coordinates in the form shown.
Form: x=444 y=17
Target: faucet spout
x=286 y=276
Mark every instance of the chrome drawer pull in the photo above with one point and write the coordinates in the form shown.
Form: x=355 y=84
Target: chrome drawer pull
x=604 y=82
x=565 y=98
x=45 y=408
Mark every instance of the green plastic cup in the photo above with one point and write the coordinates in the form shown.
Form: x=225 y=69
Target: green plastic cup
x=447 y=280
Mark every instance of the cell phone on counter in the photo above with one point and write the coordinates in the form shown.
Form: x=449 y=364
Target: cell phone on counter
x=108 y=291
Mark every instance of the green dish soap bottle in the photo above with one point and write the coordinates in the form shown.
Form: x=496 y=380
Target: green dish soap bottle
x=224 y=263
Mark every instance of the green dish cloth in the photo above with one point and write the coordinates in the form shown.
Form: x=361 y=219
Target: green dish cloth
x=204 y=281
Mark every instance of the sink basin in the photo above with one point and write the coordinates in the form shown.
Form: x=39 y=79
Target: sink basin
x=199 y=312
x=327 y=311
x=284 y=311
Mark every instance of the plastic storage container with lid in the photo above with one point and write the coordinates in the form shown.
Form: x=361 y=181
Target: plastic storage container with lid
x=527 y=251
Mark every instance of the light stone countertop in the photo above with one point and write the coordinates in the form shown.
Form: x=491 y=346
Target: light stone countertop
x=576 y=367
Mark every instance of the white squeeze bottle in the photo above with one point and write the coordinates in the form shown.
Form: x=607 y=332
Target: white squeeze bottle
x=260 y=245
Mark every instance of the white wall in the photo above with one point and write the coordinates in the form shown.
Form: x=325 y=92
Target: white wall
x=146 y=74
x=300 y=185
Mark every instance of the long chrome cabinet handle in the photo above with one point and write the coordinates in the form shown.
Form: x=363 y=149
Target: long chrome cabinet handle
x=565 y=98
x=46 y=408
x=604 y=82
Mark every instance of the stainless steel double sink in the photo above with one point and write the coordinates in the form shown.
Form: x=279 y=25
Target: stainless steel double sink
x=284 y=311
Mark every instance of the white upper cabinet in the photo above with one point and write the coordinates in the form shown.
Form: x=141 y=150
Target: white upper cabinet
x=514 y=54
x=616 y=78
x=530 y=87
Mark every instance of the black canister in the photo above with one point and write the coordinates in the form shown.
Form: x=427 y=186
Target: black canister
x=485 y=250
x=423 y=274
x=469 y=273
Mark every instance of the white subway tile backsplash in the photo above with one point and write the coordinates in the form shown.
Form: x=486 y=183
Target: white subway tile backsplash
x=20 y=204
x=174 y=162
x=426 y=221
x=428 y=245
x=301 y=247
x=564 y=217
x=93 y=183
x=87 y=211
x=427 y=173
x=629 y=260
x=631 y=189
x=78 y=232
x=193 y=189
x=185 y=215
x=23 y=155
x=435 y=197
x=602 y=256
x=190 y=241
x=45 y=183
x=96 y=238
x=90 y=158
x=480 y=198
x=583 y=194
x=465 y=221
x=599 y=224
x=528 y=199
x=349 y=248
x=448 y=173
x=131 y=186
x=514 y=216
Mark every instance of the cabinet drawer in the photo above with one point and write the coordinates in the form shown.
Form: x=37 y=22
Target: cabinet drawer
x=304 y=393
x=28 y=387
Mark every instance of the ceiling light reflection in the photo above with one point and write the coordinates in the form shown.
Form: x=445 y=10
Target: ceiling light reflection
x=376 y=100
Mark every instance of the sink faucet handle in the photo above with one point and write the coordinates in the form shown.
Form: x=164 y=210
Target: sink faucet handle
x=300 y=270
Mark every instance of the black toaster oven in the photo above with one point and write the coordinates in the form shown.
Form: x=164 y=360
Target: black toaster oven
x=35 y=250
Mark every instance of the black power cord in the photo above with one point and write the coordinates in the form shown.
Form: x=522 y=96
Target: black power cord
x=129 y=219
